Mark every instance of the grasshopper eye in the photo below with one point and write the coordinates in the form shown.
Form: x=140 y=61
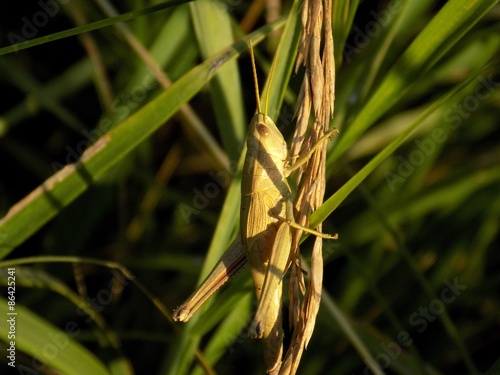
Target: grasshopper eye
x=263 y=130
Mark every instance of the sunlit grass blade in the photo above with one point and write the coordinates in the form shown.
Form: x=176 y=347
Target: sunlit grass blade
x=445 y=29
x=58 y=349
x=21 y=44
x=285 y=56
x=181 y=356
x=212 y=24
x=333 y=202
x=34 y=278
x=28 y=215
x=230 y=332
x=336 y=199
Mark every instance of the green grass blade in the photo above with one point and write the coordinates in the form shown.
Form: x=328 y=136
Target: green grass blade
x=174 y=36
x=50 y=345
x=446 y=28
x=25 y=82
x=35 y=278
x=28 y=215
x=495 y=369
x=213 y=30
x=182 y=355
x=79 y=74
x=285 y=62
x=230 y=331
x=336 y=199
x=21 y=43
x=350 y=332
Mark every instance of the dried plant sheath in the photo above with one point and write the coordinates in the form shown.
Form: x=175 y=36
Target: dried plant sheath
x=317 y=93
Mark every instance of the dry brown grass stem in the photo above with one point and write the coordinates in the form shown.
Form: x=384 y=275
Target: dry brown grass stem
x=317 y=95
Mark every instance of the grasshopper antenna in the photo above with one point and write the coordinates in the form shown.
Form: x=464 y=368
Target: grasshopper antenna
x=271 y=74
x=256 y=83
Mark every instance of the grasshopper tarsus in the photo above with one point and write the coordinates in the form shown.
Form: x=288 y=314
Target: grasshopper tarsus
x=330 y=133
x=327 y=236
x=295 y=225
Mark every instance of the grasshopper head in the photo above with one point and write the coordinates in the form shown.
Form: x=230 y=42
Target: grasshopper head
x=265 y=137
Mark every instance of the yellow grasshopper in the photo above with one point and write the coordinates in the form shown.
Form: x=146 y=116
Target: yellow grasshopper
x=265 y=239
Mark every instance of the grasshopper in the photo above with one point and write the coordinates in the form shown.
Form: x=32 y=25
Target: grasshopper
x=265 y=240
